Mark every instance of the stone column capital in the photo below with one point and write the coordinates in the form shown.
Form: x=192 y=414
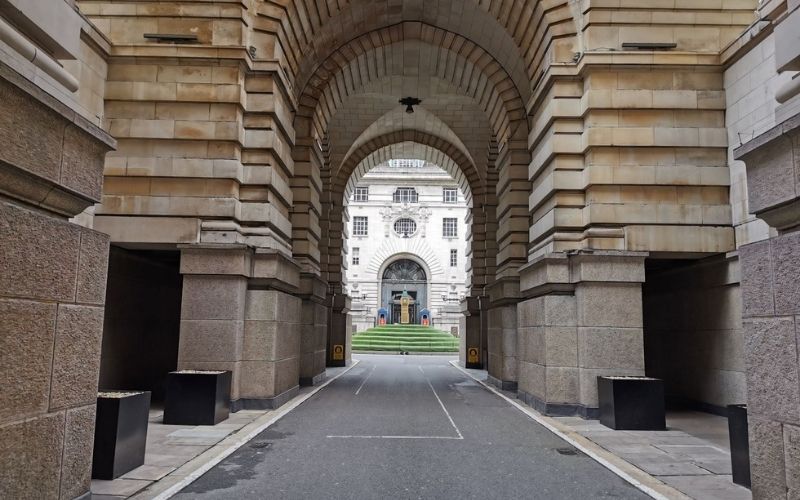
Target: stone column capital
x=773 y=170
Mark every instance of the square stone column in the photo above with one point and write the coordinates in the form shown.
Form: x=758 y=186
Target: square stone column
x=771 y=312
x=237 y=314
x=52 y=292
x=340 y=330
x=313 y=329
x=501 y=328
x=583 y=319
x=472 y=332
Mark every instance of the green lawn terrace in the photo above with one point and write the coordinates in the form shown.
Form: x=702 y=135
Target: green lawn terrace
x=410 y=338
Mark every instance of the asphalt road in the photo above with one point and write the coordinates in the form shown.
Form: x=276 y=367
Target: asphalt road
x=407 y=427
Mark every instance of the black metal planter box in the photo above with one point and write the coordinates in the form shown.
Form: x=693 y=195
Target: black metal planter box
x=740 y=446
x=197 y=397
x=120 y=433
x=632 y=403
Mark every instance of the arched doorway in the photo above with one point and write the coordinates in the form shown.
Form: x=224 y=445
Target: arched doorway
x=404 y=277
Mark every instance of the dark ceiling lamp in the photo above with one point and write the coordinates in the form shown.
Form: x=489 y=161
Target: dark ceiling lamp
x=409 y=103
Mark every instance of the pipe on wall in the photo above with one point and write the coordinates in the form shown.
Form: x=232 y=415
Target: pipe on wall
x=37 y=56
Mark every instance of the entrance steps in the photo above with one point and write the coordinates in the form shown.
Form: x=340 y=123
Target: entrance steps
x=405 y=338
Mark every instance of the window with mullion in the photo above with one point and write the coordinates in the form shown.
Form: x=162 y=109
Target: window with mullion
x=361 y=193
x=405 y=195
x=360 y=226
x=449 y=227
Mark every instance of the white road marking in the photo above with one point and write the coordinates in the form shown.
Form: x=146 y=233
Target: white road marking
x=365 y=379
x=458 y=432
x=395 y=437
x=441 y=404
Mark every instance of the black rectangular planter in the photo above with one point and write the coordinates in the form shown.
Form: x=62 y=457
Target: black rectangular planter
x=120 y=433
x=632 y=403
x=740 y=446
x=197 y=397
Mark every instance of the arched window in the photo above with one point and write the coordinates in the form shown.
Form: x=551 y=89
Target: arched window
x=404 y=270
x=405 y=228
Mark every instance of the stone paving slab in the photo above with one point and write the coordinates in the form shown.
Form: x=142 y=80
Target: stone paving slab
x=149 y=472
x=694 y=466
x=118 y=487
x=171 y=452
x=713 y=487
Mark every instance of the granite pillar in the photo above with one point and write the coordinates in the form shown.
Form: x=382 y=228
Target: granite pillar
x=52 y=292
x=340 y=327
x=237 y=314
x=771 y=312
x=582 y=319
x=472 y=333
x=313 y=330
x=501 y=328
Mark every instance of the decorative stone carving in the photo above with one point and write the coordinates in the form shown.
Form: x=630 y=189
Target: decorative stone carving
x=418 y=213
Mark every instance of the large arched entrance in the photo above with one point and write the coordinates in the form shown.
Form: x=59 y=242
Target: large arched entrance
x=404 y=278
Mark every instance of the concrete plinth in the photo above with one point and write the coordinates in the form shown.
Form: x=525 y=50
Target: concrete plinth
x=582 y=319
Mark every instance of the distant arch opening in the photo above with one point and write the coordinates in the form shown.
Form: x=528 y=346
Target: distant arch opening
x=404 y=284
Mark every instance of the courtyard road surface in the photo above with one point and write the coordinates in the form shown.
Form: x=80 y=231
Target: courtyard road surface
x=407 y=427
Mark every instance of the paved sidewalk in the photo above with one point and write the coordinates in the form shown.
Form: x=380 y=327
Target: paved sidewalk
x=171 y=451
x=697 y=467
x=175 y=452
x=697 y=464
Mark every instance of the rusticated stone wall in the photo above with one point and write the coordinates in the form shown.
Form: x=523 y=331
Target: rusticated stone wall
x=771 y=311
x=52 y=291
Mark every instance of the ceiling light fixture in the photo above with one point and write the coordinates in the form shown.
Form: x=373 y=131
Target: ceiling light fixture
x=409 y=103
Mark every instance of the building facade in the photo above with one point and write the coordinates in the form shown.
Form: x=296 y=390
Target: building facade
x=407 y=233
x=177 y=179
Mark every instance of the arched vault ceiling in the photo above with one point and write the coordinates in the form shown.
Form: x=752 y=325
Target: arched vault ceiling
x=406 y=144
x=518 y=33
x=416 y=51
x=422 y=120
x=453 y=117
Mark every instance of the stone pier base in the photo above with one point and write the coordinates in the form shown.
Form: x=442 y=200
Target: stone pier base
x=472 y=350
x=237 y=315
x=313 y=330
x=340 y=331
x=582 y=319
x=501 y=328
